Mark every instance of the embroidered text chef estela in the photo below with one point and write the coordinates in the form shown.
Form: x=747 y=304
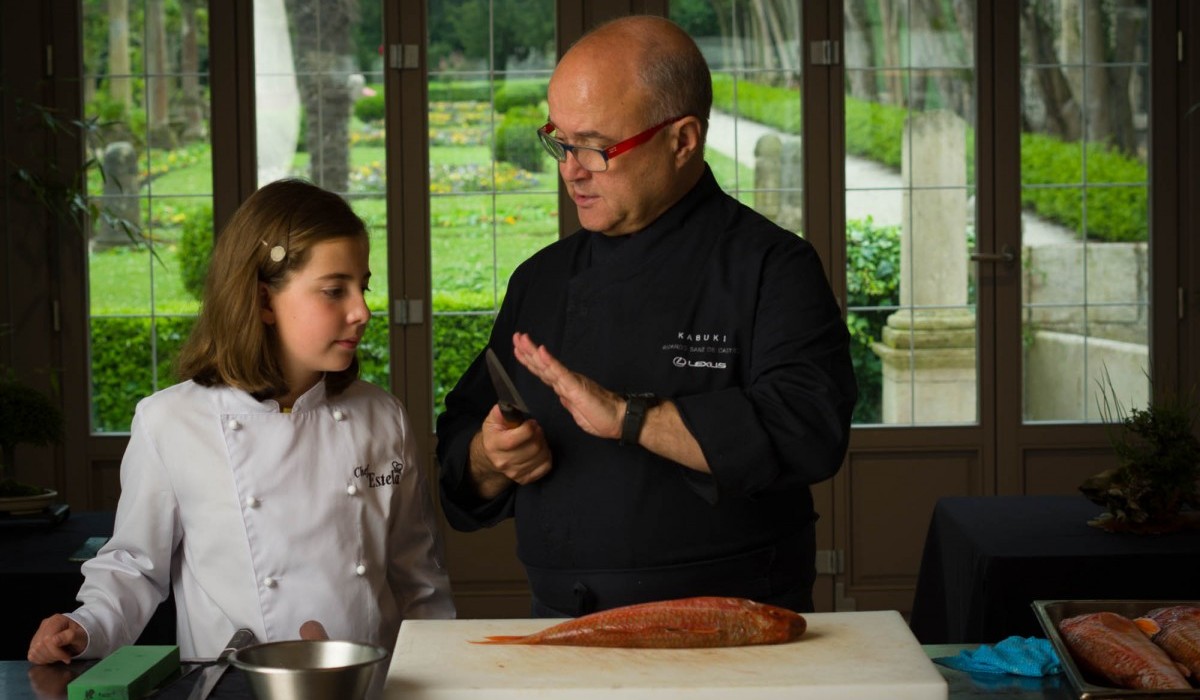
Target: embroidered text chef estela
x=375 y=479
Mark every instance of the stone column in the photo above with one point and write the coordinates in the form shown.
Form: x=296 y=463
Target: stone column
x=779 y=180
x=120 y=198
x=928 y=347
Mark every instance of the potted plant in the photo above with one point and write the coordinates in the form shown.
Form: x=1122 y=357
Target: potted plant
x=26 y=417
x=1154 y=488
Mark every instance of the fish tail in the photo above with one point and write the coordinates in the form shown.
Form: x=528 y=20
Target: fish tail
x=503 y=639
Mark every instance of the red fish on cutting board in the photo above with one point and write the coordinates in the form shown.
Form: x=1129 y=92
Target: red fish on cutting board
x=1113 y=647
x=673 y=624
x=1177 y=630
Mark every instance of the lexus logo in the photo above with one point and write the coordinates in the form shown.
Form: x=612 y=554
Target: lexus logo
x=684 y=362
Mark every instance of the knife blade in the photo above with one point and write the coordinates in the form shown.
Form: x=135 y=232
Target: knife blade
x=210 y=675
x=512 y=406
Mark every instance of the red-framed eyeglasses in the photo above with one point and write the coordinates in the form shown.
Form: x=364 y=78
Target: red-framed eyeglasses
x=596 y=159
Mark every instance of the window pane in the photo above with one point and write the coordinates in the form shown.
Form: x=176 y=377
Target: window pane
x=320 y=108
x=493 y=189
x=146 y=88
x=910 y=210
x=753 y=144
x=1084 y=190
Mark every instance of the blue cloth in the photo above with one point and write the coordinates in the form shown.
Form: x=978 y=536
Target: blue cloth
x=1029 y=656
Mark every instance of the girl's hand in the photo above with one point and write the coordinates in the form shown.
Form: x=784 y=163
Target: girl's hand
x=58 y=638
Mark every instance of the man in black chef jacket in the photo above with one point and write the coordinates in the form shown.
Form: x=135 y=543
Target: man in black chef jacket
x=684 y=361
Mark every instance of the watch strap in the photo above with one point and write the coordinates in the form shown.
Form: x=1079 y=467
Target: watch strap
x=636 y=406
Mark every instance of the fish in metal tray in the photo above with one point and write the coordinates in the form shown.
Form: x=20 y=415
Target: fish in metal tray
x=1177 y=630
x=1111 y=646
x=673 y=624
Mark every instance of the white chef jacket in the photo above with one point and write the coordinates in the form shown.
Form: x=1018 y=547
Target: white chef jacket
x=263 y=519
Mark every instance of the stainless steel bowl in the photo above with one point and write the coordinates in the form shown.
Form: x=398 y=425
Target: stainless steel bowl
x=309 y=669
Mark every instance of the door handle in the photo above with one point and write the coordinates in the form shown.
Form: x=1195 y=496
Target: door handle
x=1006 y=256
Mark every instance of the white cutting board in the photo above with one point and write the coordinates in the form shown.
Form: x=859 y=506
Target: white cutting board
x=842 y=656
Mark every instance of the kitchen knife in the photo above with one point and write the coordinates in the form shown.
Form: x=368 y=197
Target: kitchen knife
x=512 y=406
x=210 y=675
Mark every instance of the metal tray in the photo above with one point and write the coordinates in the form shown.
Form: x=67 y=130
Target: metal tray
x=1051 y=612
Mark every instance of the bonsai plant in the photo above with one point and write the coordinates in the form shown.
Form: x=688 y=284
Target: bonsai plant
x=26 y=417
x=1156 y=482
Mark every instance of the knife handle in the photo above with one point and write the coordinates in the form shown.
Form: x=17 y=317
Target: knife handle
x=513 y=416
x=241 y=638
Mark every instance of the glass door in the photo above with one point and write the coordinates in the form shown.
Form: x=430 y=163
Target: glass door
x=911 y=213
x=493 y=191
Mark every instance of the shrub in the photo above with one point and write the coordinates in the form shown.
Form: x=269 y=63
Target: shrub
x=766 y=104
x=460 y=91
x=372 y=108
x=520 y=93
x=1113 y=213
x=121 y=362
x=872 y=280
x=461 y=328
x=1051 y=170
x=122 y=358
x=517 y=141
x=195 y=248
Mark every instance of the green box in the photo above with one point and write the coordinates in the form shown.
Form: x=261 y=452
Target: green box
x=129 y=673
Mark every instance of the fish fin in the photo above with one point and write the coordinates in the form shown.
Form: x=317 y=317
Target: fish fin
x=1147 y=626
x=502 y=639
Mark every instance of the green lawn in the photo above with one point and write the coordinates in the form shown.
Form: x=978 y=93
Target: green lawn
x=477 y=237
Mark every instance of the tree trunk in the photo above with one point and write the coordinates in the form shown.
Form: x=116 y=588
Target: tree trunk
x=1095 y=93
x=890 y=19
x=322 y=43
x=964 y=14
x=120 y=86
x=777 y=43
x=158 y=79
x=727 y=37
x=860 y=52
x=192 y=106
x=1121 y=100
x=1062 y=118
x=766 y=48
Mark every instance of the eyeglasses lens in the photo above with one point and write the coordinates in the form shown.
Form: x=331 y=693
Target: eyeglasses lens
x=588 y=158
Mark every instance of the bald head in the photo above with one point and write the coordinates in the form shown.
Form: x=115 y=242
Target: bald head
x=651 y=55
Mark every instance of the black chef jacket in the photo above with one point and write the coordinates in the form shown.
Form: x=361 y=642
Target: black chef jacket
x=731 y=317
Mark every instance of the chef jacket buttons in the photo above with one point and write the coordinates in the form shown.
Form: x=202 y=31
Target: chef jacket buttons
x=361 y=570
x=269 y=582
x=351 y=489
x=252 y=501
x=234 y=424
x=339 y=415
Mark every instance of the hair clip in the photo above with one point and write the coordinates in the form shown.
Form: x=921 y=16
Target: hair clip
x=277 y=253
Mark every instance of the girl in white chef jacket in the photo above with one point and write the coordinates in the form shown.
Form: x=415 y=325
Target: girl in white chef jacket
x=271 y=487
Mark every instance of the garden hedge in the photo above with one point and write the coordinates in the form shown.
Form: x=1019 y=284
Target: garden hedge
x=195 y=248
x=1052 y=171
x=122 y=355
x=517 y=141
x=521 y=93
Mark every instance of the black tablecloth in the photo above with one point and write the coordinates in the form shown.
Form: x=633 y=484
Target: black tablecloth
x=988 y=558
x=37 y=579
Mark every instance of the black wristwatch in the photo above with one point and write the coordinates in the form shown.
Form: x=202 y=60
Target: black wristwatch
x=636 y=406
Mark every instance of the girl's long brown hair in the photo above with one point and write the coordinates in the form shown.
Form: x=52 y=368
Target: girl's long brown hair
x=230 y=345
